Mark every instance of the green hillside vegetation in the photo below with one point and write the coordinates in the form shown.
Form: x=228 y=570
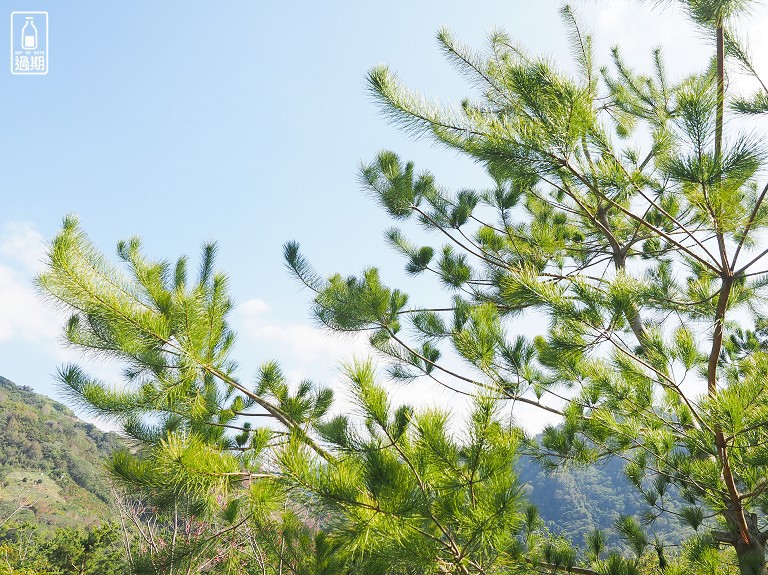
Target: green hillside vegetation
x=576 y=500
x=51 y=463
x=26 y=550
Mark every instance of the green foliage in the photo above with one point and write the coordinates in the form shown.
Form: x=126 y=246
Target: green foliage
x=195 y=459
x=625 y=216
x=412 y=496
x=620 y=214
x=25 y=550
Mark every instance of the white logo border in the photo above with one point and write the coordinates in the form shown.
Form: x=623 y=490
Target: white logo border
x=46 y=45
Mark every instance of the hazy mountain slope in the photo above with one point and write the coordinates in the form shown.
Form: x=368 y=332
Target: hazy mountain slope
x=51 y=461
x=578 y=500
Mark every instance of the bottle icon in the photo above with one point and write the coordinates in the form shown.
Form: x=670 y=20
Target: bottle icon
x=29 y=34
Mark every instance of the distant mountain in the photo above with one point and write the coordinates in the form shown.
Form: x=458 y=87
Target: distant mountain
x=51 y=462
x=578 y=500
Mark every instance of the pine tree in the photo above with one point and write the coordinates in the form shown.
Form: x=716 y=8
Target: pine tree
x=204 y=489
x=413 y=497
x=620 y=210
x=198 y=467
x=623 y=212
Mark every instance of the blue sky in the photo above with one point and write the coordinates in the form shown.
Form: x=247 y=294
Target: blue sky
x=245 y=123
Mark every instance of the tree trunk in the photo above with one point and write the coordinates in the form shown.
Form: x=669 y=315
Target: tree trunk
x=751 y=555
x=751 y=558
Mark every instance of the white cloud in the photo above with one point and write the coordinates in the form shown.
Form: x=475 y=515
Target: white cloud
x=305 y=343
x=757 y=45
x=22 y=243
x=309 y=343
x=612 y=16
x=22 y=312
x=252 y=308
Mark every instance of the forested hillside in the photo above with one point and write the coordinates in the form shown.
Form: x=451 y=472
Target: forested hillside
x=578 y=500
x=50 y=461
